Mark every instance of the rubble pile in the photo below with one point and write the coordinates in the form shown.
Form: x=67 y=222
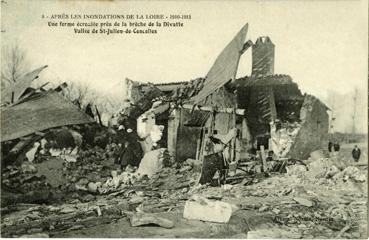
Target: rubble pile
x=328 y=172
x=88 y=206
x=23 y=184
x=92 y=166
x=56 y=174
x=283 y=137
x=288 y=200
x=341 y=213
x=322 y=199
x=22 y=178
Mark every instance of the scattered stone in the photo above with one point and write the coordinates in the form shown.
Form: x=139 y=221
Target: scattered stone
x=140 y=193
x=92 y=187
x=263 y=208
x=249 y=206
x=304 y=202
x=74 y=201
x=98 y=211
x=185 y=169
x=30 y=155
x=195 y=164
x=34 y=216
x=142 y=219
x=67 y=209
x=333 y=170
x=151 y=163
x=88 y=198
x=136 y=200
x=286 y=191
x=354 y=173
x=296 y=169
x=75 y=227
x=28 y=168
x=200 y=208
x=276 y=210
x=227 y=187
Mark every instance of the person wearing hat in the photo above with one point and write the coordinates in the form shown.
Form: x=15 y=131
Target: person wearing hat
x=131 y=153
x=356 y=152
x=215 y=160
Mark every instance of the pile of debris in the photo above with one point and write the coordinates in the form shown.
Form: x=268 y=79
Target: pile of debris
x=164 y=191
x=327 y=171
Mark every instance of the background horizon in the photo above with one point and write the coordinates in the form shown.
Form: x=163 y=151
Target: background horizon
x=322 y=46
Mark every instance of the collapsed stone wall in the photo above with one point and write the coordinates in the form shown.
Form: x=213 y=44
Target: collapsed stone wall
x=283 y=136
x=314 y=128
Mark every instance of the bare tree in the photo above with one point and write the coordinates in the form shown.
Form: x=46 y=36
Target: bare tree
x=80 y=93
x=355 y=98
x=13 y=63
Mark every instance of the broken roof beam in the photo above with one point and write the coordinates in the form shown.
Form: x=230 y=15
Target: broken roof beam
x=225 y=66
x=246 y=46
x=13 y=92
x=239 y=111
x=40 y=112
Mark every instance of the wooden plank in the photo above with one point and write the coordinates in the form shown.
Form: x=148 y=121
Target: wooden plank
x=239 y=111
x=263 y=157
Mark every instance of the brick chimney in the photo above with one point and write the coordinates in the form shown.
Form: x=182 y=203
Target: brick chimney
x=263 y=57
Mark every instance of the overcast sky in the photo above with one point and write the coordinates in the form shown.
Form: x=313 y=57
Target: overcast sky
x=321 y=44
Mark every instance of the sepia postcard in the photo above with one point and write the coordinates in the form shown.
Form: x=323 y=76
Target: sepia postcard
x=184 y=119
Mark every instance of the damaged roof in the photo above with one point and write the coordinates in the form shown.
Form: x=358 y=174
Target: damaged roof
x=224 y=68
x=39 y=112
x=276 y=79
x=188 y=89
x=19 y=86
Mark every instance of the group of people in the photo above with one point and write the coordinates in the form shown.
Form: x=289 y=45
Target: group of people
x=334 y=149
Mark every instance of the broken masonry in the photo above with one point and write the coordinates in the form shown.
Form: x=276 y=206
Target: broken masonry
x=272 y=117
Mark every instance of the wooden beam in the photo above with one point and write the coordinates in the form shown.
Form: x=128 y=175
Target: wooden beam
x=239 y=111
x=263 y=158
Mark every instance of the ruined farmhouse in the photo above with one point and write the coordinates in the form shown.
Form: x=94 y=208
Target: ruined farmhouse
x=268 y=110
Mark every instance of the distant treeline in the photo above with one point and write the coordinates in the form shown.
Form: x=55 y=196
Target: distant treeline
x=348 y=137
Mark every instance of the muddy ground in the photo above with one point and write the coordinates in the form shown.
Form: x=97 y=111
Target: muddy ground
x=298 y=204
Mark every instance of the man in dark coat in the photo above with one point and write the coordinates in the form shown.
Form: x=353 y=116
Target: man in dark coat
x=131 y=153
x=356 y=152
x=336 y=147
x=213 y=163
x=330 y=146
x=216 y=161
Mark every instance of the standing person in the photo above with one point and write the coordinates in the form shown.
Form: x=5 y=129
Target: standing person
x=330 y=146
x=131 y=153
x=336 y=147
x=356 y=152
x=216 y=159
x=214 y=162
